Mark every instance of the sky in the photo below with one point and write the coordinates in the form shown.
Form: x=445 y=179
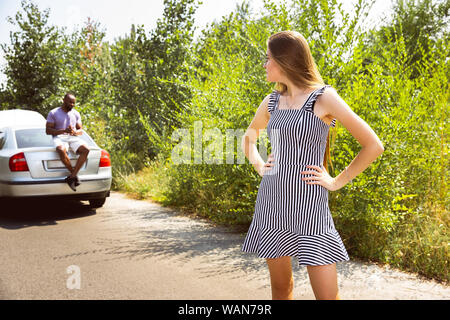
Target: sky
x=117 y=16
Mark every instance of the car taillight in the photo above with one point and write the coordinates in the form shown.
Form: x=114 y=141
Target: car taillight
x=18 y=162
x=105 y=160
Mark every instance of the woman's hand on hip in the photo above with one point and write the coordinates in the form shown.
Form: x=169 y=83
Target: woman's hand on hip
x=319 y=176
x=268 y=165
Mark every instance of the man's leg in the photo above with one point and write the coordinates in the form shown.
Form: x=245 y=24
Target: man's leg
x=64 y=157
x=61 y=148
x=83 y=151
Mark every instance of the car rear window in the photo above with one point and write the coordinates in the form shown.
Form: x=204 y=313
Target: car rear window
x=29 y=138
x=2 y=139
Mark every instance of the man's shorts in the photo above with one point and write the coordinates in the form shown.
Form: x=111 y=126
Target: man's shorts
x=68 y=141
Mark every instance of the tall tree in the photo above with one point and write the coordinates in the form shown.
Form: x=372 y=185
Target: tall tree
x=33 y=60
x=150 y=75
x=421 y=23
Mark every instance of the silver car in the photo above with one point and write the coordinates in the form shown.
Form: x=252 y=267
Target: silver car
x=31 y=167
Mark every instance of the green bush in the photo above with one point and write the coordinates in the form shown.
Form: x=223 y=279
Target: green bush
x=394 y=211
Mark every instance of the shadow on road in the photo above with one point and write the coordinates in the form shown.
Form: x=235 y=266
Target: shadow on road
x=23 y=213
x=164 y=233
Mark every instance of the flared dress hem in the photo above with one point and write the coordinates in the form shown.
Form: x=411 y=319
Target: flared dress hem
x=310 y=250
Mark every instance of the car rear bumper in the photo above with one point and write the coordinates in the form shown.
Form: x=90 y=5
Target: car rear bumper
x=54 y=187
x=74 y=196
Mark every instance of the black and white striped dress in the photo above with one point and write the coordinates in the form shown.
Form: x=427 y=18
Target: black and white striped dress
x=292 y=218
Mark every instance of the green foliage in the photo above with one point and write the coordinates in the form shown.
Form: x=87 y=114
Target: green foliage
x=34 y=62
x=150 y=73
x=422 y=24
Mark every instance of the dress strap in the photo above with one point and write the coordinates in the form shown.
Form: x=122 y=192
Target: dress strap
x=310 y=105
x=273 y=101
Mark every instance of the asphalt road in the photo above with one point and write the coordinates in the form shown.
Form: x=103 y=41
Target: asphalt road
x=133 y=249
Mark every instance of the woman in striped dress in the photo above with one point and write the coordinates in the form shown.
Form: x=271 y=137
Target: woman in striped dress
x=292 y=217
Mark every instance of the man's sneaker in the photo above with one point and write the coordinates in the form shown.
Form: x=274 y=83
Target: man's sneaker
x=77 y=181
x=71 y=182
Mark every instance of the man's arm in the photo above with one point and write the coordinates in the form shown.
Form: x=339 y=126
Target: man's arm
x=50 y=129
x=78 y=131
x=78 y=126
x=50 y=126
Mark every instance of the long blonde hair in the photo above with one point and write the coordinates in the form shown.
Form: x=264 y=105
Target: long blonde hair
x=292 y=53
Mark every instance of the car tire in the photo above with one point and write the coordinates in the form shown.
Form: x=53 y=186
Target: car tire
x=97 y=203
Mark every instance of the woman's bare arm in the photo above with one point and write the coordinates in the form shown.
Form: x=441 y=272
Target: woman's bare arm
x=372 y=147
x=250 y=137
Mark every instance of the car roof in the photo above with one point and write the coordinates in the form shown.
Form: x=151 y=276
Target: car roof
x=20 y=118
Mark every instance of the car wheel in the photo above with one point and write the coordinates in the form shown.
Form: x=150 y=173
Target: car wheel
x=97 y=203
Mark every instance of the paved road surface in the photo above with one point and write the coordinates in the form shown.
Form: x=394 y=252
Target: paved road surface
x=133 y=249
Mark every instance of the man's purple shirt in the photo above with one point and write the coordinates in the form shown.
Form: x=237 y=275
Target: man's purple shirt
x=63 y=119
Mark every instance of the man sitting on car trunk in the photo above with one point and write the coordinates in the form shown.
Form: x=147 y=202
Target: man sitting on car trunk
x=64 y=124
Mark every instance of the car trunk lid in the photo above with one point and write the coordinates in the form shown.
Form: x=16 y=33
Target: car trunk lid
x=43 y=160
x=45 y=163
